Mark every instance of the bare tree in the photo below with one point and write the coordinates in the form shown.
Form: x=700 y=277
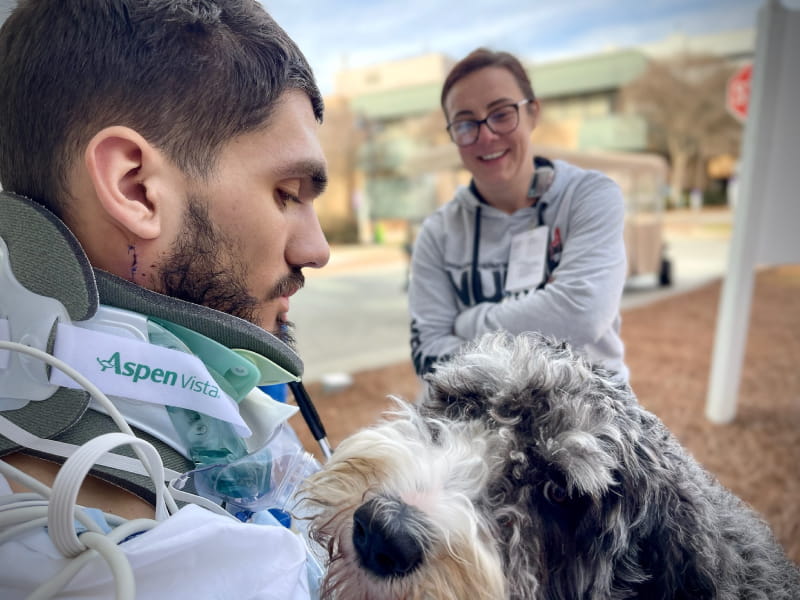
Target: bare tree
x=683 y=100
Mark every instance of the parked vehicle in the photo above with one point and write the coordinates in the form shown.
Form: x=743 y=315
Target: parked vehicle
x=643 y=179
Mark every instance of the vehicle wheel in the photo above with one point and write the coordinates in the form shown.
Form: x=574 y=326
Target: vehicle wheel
x=665 y=273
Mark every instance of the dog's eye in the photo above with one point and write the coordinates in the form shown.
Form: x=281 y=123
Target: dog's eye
x=555 y=493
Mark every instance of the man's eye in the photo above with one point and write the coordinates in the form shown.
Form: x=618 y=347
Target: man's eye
x=285 y=197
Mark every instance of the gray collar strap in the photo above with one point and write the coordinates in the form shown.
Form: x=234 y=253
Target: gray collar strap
x=47 y=259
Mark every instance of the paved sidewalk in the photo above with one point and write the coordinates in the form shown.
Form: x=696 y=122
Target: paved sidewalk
x=346 y=258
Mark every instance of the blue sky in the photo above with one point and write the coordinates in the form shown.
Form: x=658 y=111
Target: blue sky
x=356 y=33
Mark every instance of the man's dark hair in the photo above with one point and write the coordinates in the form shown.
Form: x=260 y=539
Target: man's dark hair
x=187 y=75
x=482 y=58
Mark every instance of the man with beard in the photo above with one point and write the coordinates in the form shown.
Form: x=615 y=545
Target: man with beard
x=177 y=140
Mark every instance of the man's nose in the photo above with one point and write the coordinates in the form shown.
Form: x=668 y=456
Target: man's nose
x=308 y=246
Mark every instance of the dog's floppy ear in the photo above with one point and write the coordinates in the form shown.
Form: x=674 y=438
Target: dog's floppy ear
x=671 y=532
x=673 y=542
x=678 y=571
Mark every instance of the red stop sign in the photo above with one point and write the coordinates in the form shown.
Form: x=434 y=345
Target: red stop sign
x=738 y=92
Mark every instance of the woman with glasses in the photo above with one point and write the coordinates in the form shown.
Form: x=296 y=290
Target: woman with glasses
x=530 y=245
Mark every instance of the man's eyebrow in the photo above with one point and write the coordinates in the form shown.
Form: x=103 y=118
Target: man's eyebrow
x=319 y=179
x=314 y=171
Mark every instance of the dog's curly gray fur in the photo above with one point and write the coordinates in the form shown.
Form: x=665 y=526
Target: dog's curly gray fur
x=582 y=493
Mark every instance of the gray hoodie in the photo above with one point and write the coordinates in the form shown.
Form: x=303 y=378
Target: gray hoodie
x=577 y=300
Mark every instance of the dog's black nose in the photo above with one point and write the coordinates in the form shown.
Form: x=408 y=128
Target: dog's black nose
x=388 y=536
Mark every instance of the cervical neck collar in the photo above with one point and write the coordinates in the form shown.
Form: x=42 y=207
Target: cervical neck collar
x=47 y=260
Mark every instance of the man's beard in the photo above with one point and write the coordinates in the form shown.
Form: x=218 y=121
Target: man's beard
x=197 y=271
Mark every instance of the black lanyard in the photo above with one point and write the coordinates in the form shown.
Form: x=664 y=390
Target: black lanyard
x=542 y=178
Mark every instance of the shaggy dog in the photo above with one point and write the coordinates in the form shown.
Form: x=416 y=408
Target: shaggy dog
x=526 y=473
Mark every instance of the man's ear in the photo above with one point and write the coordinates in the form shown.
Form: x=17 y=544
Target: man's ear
x=125 y=171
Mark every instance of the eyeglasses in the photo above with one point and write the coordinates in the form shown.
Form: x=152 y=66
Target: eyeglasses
x=501 y=120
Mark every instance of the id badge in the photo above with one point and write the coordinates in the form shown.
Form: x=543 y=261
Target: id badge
x=526 y=262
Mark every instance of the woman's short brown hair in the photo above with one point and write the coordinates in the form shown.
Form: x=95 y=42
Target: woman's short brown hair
x=482 y=58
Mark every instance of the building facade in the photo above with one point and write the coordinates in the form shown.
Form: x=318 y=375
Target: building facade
x=392 y=162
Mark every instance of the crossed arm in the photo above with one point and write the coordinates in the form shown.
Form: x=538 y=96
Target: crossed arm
x=578 y=304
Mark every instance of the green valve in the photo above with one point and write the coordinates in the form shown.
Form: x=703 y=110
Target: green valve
x=270 y=372
x=235 y=374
